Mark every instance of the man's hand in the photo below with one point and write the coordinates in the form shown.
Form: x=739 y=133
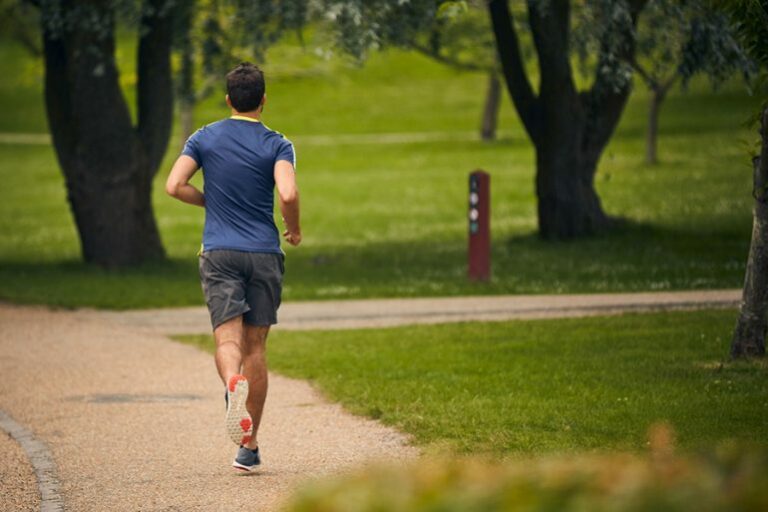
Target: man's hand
x=292 y=238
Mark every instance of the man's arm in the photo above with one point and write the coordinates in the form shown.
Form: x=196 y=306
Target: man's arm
x=178 y=181
x=288 y=195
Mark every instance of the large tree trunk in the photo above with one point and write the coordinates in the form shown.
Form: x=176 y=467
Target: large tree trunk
x=568 y=205
x=113 y=212
x=108 y=164
x=749 y=334
x=491 y=109
x=569 y=129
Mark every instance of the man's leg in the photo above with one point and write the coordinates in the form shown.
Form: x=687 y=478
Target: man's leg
x=229 y=348
x=255 y=370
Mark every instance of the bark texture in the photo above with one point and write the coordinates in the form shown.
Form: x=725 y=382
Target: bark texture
x=491 y=109
x=749 y=334
x=659 y=90
x=107 y=162
x=569 y=129
x=652 y=130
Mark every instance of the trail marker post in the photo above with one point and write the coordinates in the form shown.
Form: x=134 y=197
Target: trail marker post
x=479 y=254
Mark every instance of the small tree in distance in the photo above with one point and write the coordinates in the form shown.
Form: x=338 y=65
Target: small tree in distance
x=675 y=41
x=460 y=37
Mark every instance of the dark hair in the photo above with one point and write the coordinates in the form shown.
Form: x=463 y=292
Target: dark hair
x=245 y=86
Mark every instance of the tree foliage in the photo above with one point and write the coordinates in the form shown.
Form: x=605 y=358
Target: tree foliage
x=751 y=18
x=20 y=20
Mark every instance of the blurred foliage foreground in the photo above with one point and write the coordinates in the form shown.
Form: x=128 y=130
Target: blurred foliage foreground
x=730 y=479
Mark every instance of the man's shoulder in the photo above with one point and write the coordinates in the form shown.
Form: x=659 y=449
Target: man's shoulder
x=209 y=129
x=213 y=127
x=274 y=134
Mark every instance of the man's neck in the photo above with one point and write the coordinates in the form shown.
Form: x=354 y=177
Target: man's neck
x=253 y=114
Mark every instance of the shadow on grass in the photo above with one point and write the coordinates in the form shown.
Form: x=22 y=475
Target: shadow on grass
x=76 y=284
x=635 y=257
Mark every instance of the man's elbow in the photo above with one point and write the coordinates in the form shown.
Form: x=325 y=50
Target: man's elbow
x=289 y=197
x=172 y=188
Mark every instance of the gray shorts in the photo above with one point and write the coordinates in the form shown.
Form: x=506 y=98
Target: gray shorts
x=242 y=283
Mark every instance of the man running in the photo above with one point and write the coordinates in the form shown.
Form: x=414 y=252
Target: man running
x=241 y=263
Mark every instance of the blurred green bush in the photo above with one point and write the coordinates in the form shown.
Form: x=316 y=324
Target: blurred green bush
x=729 y=478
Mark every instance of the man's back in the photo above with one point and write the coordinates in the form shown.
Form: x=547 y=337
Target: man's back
x=241 y=265
x=238 y=158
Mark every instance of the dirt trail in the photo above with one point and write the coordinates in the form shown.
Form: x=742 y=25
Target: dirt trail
x=134 y=421
x=375 y=313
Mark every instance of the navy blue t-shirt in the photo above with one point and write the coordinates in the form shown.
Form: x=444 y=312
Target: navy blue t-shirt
x=238 y=158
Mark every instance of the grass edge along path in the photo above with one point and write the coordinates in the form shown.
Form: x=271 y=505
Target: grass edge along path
x=538 y=386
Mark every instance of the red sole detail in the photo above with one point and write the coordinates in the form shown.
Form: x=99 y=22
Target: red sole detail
x=245 y=424
x=245 y=440
x=233 y=382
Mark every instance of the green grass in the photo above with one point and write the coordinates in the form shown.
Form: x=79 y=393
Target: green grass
x=390 y=219
x=538 y=386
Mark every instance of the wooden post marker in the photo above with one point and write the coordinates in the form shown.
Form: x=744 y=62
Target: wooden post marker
x=479 y=254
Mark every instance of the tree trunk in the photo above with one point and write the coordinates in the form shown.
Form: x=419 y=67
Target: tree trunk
x=108 y=164
x=749 y=334
x=569 y=129
x=491 y=109
x=652 y=130
x=186 y=120
x=568 y=205
x=186 y=89
x=113 y=212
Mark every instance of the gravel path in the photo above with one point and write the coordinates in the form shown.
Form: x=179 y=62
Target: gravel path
x=135 y=421
x=356 y=314
x=18 y=488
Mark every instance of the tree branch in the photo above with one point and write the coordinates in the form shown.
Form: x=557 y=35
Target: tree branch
x=512 y=66
x=604 y=102
x=18 y=20
x=449 y=61
x=550 y=27
x=155 y=85
x=667 y=84
x=644 y=74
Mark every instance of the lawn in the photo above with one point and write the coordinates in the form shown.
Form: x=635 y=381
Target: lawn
x=389 y=219
x=533 y=387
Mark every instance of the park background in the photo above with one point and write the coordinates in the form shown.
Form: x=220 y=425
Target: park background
x=384 y=150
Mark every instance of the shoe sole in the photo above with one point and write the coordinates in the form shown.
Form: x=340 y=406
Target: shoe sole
x=238 y=422
x=243 y=468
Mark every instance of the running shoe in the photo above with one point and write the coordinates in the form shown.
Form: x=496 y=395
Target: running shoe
x=238 y=422
x=247 y=459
